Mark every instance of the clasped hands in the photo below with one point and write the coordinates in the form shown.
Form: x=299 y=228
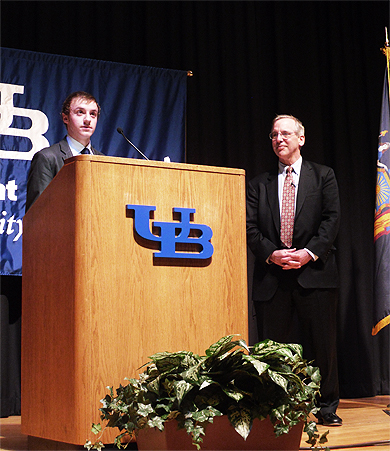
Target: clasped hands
x=290 y=258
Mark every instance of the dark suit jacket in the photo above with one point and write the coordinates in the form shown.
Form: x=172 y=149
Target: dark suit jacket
x=316 y=225
x=44 y=167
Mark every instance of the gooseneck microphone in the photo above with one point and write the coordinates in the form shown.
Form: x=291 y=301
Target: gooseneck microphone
x=120 y=131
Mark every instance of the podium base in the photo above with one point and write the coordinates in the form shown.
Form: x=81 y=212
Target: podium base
x=43 y=444
x=38 y=443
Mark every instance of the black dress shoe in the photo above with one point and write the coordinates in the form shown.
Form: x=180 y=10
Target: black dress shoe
x=329 y=419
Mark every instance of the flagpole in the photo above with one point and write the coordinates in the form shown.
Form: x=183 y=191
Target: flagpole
x=386 y=51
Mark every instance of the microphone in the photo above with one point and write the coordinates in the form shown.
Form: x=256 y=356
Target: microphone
x=120 y=131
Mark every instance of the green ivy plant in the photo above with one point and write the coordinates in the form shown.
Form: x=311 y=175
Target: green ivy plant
x=269 y=379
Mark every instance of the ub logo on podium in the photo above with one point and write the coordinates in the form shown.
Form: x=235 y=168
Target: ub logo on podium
x=174 y=234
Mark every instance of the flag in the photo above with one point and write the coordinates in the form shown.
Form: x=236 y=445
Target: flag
x=382 y=219
x=148 y=103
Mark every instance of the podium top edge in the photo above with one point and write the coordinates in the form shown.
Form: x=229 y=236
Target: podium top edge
x=153 y=163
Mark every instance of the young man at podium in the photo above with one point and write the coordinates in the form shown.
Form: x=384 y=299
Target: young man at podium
x=80 y=112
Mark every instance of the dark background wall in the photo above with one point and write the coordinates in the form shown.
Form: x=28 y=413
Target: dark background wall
x=318 y=60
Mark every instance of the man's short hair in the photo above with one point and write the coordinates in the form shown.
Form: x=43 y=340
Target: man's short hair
x=78 y=95
x=299 y=128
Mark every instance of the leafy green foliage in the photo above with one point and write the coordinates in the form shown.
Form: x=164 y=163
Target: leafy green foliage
x=244 y=383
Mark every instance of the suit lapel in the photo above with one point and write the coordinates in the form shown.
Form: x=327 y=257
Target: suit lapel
x=303 y=186
x=65 y=149
x=273 y=198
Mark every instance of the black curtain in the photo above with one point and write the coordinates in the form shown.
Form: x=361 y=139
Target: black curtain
x=318 y=60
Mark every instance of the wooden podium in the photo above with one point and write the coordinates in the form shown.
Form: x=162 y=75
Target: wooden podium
x=97 y=302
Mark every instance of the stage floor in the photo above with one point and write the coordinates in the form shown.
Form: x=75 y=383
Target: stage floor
x=366 y=427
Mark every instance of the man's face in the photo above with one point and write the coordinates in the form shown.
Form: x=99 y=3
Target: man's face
x=286 y=148
x=81 y=120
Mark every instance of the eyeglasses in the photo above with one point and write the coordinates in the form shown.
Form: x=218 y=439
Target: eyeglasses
x=284 y=135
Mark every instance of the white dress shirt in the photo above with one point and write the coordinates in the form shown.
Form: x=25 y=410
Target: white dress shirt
x=296 y=172
x=76 y=147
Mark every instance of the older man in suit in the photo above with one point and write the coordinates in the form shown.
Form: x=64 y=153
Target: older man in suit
x=292 y=221
x=80 y=112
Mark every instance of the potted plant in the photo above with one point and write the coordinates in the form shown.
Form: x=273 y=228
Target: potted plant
x=245 y=384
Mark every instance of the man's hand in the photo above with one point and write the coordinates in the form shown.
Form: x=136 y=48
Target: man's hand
x=290 y=258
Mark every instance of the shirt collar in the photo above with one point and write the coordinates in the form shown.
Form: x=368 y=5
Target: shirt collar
x=75 y=146
x=296 y=166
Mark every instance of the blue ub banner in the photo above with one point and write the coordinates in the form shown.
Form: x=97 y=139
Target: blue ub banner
x=148 y=103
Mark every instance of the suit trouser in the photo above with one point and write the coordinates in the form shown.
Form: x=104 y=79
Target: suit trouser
x=307 y=317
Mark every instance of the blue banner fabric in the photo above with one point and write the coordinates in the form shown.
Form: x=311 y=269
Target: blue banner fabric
x=148 y=103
